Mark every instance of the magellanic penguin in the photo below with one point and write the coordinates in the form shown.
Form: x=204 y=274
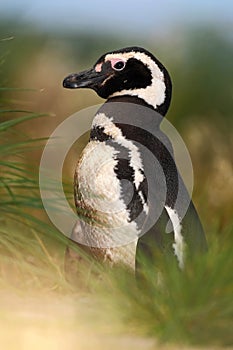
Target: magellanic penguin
x=129 y=195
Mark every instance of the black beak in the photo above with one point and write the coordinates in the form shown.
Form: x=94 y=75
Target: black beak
x=86 y=79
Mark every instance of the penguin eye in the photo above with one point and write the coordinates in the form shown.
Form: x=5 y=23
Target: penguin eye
x=119 y=65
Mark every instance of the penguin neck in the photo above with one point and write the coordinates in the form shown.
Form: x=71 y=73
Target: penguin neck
x=130 y=99
x=161 y=109
x=131 y=110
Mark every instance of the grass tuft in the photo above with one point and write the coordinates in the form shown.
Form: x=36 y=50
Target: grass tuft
x=194 y=306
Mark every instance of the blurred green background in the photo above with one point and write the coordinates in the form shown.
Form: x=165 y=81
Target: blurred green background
x=41 y=42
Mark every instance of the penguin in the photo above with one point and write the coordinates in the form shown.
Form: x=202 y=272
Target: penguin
x=131 y=200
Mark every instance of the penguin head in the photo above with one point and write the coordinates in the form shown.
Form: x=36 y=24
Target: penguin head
x=131 y=71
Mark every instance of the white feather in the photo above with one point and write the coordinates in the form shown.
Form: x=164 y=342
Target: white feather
x=112 y=130
x=179 y=244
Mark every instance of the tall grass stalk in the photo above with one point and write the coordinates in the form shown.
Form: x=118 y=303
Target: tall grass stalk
x=24 y=230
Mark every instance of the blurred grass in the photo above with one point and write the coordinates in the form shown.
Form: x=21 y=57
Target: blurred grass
x=24 y=258
x=193 y=307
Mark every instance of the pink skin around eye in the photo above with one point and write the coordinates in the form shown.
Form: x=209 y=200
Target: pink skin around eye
x=98 y=67
x=115 y=60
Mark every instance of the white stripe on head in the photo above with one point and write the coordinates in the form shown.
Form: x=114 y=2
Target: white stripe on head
x=153 y=94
